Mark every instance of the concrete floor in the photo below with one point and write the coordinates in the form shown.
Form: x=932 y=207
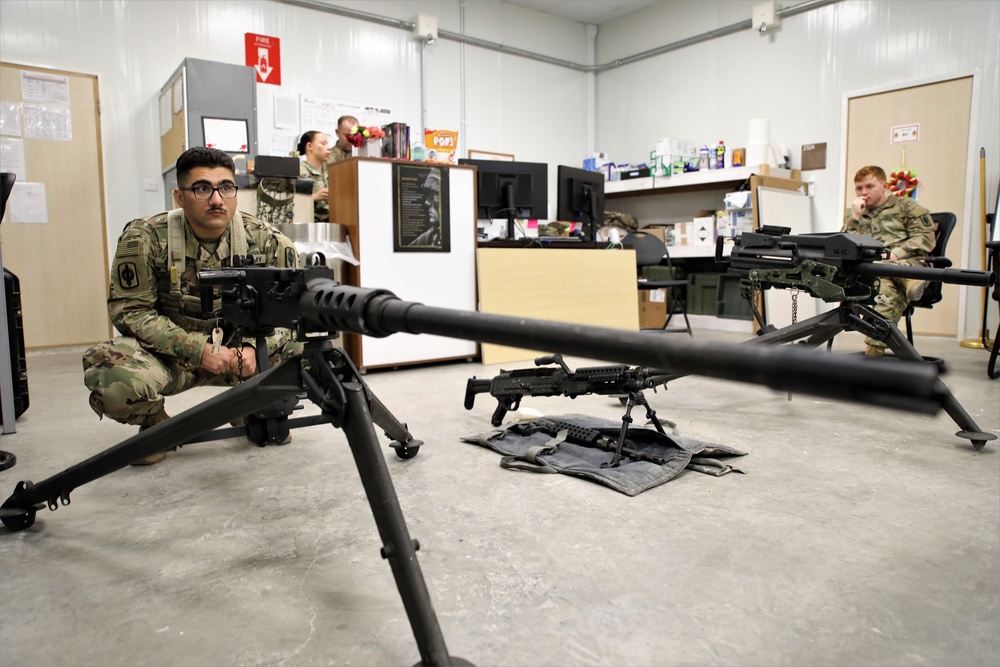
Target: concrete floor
x=859 y=536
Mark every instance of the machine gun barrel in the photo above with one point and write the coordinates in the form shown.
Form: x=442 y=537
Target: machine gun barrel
x=953 y=276
x=329 y=306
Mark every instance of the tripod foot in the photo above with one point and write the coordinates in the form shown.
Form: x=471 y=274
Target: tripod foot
x=978 y=439
x=454 y=661
x=406 y=450
x=13 y=514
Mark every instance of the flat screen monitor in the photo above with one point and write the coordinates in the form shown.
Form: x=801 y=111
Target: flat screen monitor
x=511 y=190
x=581 y=198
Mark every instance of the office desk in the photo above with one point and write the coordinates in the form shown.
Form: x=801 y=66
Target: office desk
x=578 y=285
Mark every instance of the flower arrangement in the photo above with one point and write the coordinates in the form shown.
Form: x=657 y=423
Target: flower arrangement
x=360 y=134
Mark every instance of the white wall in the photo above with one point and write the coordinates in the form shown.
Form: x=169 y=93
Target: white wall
x=512 y=105
x=797 y=76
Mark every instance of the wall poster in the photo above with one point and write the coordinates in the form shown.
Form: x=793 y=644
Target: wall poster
x=420 y=208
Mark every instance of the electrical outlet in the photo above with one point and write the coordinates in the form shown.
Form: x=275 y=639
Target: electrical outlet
x=149 y=185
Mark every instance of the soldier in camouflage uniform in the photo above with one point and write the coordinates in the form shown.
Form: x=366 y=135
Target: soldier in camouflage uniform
x=316 y=149
x=904 y=227
x=343 y=149
x=154 y=301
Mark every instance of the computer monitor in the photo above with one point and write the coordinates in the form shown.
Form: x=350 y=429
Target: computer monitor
x=581 y=198
x=511 y=189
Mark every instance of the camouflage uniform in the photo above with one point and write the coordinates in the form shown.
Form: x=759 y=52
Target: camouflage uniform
x=275 y=197
x=320 y=179
x=906 y=228
x=158 y=310
x=337 y=153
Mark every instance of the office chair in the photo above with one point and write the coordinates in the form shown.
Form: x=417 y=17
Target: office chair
x=7 y=459
x=935 y=260
x=651 y=252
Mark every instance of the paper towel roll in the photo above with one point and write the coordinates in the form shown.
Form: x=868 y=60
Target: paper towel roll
x=760 y=148
x=760 y=132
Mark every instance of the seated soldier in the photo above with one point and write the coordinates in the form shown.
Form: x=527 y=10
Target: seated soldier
x=904 y=227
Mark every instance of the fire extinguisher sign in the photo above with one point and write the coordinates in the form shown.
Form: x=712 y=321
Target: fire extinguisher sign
x=264 y=55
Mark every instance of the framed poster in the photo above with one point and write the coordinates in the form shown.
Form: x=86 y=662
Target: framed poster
x=420 y=208
x=227 y=134
x=487 y=155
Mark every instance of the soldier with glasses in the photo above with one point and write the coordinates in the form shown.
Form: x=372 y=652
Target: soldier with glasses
x=167 y=344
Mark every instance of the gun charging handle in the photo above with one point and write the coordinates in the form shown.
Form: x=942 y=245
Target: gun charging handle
x=553 y=359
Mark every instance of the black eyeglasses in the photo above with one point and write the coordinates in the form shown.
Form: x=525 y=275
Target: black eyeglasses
x=205 y=191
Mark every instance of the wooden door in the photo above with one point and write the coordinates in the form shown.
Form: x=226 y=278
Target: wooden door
x=62 y=264
x=940 y=157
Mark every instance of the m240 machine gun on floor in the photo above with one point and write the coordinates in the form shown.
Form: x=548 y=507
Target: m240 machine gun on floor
x=311 y=303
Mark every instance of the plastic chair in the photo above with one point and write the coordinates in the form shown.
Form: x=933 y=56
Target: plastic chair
x=935 y=260
x=651 y=251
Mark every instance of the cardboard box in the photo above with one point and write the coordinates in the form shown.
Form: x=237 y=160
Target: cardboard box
x=659 y=231
x=703 y=231
x=652 y=308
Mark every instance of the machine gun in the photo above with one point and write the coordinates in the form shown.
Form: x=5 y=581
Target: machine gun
x=556 y=379
x=310 y=302
x=832 y=267
x=844 y=268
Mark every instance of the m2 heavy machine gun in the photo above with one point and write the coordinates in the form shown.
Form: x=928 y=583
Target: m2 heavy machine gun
x=311 y=303
x=845 y=269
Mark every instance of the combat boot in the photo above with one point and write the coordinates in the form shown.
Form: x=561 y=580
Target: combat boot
x=915 y=289
x=874 y=351
x=150 y=422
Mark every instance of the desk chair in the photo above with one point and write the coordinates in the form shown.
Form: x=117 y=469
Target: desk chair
x=651 y=252
x=935 y=260
x=7 y=459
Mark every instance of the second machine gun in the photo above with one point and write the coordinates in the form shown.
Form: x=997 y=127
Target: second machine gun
x=838 y=268
x=555 y=378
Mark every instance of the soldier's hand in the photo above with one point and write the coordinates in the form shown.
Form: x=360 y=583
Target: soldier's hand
x=858 y=207
x=216 y=363
x=321 y=195
x=249 y=361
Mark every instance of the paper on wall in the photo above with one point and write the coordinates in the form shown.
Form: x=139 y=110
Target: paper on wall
x=27 y=204
x=10 y=119
x=12 y=157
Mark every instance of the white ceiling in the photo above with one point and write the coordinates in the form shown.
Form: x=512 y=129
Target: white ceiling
x=586 y=11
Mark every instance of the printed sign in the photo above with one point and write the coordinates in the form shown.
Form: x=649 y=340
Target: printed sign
x=264 y=55
x=440 y=145
x=904 y=134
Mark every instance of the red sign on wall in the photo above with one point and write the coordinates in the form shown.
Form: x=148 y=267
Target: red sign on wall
x=264 y=55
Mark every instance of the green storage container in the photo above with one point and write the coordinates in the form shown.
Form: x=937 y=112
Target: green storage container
x=703 y=293
x=731 y=303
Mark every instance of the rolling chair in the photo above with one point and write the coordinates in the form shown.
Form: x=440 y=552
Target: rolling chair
x=651 y=252
x=7 y=459
x=935 y=260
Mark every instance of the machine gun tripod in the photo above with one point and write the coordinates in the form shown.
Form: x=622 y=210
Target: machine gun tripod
x=839 y=268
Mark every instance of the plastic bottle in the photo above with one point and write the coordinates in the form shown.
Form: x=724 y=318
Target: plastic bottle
x=704 y=158
x=720 y=156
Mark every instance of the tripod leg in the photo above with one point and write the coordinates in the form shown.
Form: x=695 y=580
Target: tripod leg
x=397 y=546
x=903 y=349
x=279 y=382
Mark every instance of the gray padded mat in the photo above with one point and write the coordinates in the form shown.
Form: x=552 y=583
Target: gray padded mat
x=630 y=478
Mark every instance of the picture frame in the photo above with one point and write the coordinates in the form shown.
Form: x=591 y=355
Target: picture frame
x=489 y=155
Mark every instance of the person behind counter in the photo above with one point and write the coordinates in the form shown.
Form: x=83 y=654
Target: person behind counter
x=315 y=147
x=343 y=149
